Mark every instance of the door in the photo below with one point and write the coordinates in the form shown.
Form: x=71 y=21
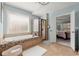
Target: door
x=72 y=29
x=44 y=29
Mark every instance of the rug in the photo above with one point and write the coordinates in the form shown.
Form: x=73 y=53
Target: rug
x=34 y=51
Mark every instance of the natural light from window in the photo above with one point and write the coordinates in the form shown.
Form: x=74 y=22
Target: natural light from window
x=17 y=23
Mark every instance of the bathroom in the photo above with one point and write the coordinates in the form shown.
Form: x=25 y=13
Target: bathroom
x=19 y=27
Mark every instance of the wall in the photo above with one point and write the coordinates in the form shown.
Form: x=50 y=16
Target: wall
x=77 y=27
x=77 y=20
x=1 y=24
x=52 y=29
x=1 y=30
x=52 y=20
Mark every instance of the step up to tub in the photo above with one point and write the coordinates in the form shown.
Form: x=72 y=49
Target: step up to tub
x=13 y=51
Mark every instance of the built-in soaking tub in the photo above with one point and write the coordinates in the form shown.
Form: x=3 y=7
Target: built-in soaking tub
x=26 y=41
x=18 y=38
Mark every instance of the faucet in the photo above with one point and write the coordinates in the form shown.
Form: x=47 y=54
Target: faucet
x=33 y=34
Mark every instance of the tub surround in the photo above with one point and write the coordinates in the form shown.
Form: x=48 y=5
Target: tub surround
x=25 y=41
x=18 y=38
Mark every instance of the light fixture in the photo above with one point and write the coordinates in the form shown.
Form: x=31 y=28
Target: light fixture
x=43 y=3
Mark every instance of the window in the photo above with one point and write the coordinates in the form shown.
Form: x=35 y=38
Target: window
x=17 y=23
x=35 y=25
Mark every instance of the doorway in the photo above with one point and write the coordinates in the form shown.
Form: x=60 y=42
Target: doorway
x=63 y=30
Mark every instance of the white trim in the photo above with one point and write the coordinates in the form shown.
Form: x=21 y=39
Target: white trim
x=68 y=13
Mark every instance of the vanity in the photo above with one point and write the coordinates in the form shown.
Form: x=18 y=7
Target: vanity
x=26 y=41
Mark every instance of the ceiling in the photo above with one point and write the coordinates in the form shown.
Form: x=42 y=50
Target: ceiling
x=40 y=10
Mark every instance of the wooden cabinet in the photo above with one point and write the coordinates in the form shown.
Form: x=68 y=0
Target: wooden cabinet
x=30 y=43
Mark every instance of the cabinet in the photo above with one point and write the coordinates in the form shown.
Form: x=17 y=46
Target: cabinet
x=31 y=42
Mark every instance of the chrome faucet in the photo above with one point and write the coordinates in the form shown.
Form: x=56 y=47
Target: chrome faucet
x=33 y=34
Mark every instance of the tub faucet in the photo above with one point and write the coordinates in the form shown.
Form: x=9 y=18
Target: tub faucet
x=33 y=34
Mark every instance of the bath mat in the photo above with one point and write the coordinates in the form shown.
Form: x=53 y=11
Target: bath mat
x=34 y=51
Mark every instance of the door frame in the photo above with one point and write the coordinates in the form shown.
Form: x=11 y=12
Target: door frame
x=72 y=16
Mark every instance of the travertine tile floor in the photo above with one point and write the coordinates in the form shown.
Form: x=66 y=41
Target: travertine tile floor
x=56 y=49
x=63 y=42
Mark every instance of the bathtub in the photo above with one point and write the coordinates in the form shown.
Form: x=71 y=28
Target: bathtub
x=18 y=38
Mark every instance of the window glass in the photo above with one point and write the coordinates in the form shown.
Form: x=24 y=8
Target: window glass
x=17 y=23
